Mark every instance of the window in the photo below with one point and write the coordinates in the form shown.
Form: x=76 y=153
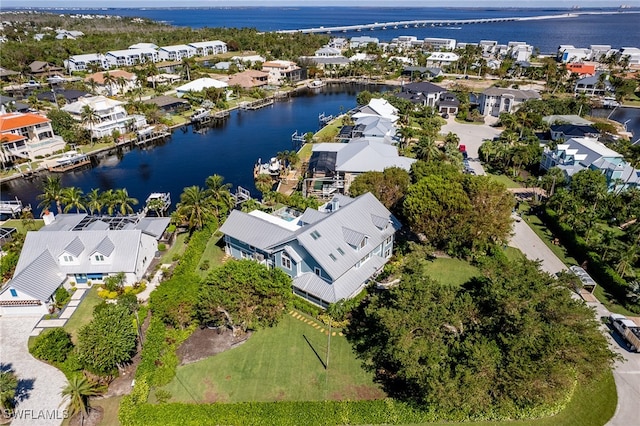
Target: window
x=388 y=240
x=315 y=235
x=332 y=257
x=99 y=258
x=387 y=253
x=363 y=242
x=67 y=258
x=13 y=292
x=317 y=271
x=340 y=251
x=285 y=261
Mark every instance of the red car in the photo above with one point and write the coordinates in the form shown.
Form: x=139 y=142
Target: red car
x=462 y=148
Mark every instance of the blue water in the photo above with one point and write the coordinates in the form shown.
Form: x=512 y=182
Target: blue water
x=187 y=158
x=617 y=30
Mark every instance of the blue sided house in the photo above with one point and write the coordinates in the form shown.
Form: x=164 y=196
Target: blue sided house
x=330 y=253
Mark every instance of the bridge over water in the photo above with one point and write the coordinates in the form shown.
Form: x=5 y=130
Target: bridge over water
x=421 y=23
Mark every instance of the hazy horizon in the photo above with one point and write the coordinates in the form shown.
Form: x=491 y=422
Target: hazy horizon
x=159 y=4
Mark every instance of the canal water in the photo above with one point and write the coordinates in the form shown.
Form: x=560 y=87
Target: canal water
x=188 y=157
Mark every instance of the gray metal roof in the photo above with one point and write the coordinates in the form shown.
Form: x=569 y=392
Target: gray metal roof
x=352 y=237
x=75 y=247
x=294 y=255
x=253 y=230
x=42 y=277
x=153 y=226
x=98 y=225
x=64 y=222
x=379 y=221
x=311 y=216
x=105 y=247
x=517 y=94
x=360 y=157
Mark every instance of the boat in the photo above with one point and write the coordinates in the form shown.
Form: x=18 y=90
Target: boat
x=146 y=130
x=157 y=204
x=315 y=84
x=70 y=157
x=200 y=114
x=274 y=166
x=271 y=168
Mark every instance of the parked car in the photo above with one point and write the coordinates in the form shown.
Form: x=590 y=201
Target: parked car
x=462 y=148
x=627 y=329
x=32 y=84
x=56 y=79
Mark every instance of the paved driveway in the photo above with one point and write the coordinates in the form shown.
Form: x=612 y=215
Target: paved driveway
x=40 y=384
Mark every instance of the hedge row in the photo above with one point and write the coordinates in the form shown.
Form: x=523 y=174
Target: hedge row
x=197 y=245
x=600 y=271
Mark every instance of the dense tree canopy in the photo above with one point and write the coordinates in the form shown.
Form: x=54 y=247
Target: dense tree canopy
x=244 y=295
x=388 y=186
x=509 y=344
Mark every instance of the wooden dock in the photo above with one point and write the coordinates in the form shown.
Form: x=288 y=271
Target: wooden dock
x=70 y=166
x=260 y=103
x=143 y=139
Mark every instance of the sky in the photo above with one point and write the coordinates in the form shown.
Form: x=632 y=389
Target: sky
x=4 y=4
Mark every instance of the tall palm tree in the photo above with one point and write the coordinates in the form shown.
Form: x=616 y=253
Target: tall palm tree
x=110 y=81
x=77 y=392
x=187 y=66
x=195 y=207
x=51 y=193
x=108 y=200
x=89 y=117
x=94 y=201
x=72 y=198
x=218 y=192
x=125 y=202
x=426 y=149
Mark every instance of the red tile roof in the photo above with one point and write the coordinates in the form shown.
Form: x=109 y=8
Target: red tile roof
x=18 y=120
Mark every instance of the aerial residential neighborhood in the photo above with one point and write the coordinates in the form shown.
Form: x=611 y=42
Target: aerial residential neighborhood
x=385 y=222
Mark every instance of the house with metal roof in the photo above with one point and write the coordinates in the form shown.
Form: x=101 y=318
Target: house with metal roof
x=377 y=107
x=177 y=52
x=76 y=248
x=212 y=47
x=496 y=100
x=199 y=85
x=582 y=153
x=86 y=61
x=111 y=116
x=330 y=253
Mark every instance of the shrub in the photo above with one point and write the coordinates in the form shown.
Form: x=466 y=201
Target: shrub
x=306 y=307
x=62 y=296
x=204 y=265
x=163 y=396
x=171 y=229
x=162 y=247
x=53 y=345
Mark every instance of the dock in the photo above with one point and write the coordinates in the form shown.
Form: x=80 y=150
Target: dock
x=260 y=103
x=73 y=161
x=150 y=137
x=241 y=195
x=12 y=207
x=157 y=204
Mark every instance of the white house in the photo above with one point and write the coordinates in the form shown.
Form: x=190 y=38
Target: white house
x=378 y=107
x=328 y=52
x=27 y=136
x=110 y=116
x=433 y=43
x=441 y=59
x=84 y=62
x=199 y=85
x=363 y=41
x=130 y=57
x=495 y=100
x=280 y=70
x=177 y=52
x=206 y=48
x=112 y=82
x=76 y=248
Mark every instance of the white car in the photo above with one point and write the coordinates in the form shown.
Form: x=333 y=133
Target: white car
x=56 y=79
x=32 y=84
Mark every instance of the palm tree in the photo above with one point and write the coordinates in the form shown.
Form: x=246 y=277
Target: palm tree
x=72 y=198
x=218 y=192
x=187 y=66
x=8 y=386
x=92 y=85
x=89 y=117
x=404 y=134
x=109 y=82
x=94 y=201
x=51 y=193
x=452 y=140
x=77 y=392
x=108 y=200
x=195 y=207
x=426 y=149
x=123 y=200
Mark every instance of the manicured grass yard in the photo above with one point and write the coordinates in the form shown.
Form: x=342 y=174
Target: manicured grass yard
x=213 y=253
x=454 y=272
x=505 y=180
x=177 y=248
x=277 y=364
x=83 y=314
x=546 y=236
x=17 y=223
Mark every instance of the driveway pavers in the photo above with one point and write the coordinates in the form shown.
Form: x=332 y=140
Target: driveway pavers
x=39 y=396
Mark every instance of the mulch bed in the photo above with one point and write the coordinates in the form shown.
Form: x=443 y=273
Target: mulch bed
x=93 y=419
x=205 y=342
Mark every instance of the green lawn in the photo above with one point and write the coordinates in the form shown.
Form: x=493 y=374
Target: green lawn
x=279 y=363
x=83 y=314
x=17 y=223
x=305 y=152
x=546 y=236
x=110 y=407
x=505 y=180
x=213 y=253
x=454 y=272
x=177 y=248
x=328 y=132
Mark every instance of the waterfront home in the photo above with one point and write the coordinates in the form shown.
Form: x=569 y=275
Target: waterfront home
x=362 y=41
x=40 y=69
x=69 y=95
x=441 y=59
x=404 y=42
x=377 y=107
x=110 y=116
x=112 y=82
x=130 y=57
x=578 y=154
x=568 y=131
x=344 y=162
x=488 y=46
x=422 y=93
x=372 y=127
x=566 y=119
x=631 y=53
x=176 y=52
x=569 y=53
x=74 y=249
x=595 y=85
x=207 y=48
x=519 y=51
x=282 y=71
x=27 y=136
x=86 y=62
x=249 y=79
x=169 y=104
x=581 y=68
x=330 y=253
x=496 y=100
x=435 y=44
x=199 y=85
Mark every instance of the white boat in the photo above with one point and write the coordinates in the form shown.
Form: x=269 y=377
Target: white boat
x=315 y=84
x=146 y=130
x=200 y=114
x=271 y=168
x=71 y=157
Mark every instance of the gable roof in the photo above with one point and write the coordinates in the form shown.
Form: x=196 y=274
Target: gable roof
x=517 y=94
x=17 y=120
x=41 y=279
x=422 y=87
x=253 y=230
x=75 y=247
x=105 y=247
